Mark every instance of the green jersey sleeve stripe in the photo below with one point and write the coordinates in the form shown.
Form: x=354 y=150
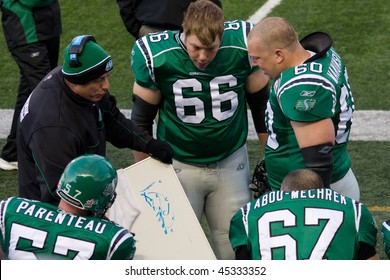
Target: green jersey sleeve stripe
x=245 y=213
x=358 y=212
x=305 y=80
x=145 y=50
x=117 y=240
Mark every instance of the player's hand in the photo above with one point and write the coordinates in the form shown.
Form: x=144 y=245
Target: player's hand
x=259 y=184
x=160 y=150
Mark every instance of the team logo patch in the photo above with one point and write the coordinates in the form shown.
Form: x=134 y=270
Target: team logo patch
x=25 y=109
x=35 y=54
x=89 y=203
x=305 y=105
x=109 y=65
x=307 y=93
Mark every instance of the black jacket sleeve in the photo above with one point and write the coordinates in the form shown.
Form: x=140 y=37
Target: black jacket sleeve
x=127 y=11
x=121 y=131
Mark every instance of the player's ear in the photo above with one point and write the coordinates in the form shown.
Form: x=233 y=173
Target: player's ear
x=279 y=55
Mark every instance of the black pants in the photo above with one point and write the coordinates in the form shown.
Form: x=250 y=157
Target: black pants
x=34 y=62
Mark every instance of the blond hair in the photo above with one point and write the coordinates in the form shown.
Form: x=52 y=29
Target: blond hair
x=205 y=20
x=274 y=32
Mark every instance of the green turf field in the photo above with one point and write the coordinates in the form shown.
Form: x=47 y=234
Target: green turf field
x=360 y=33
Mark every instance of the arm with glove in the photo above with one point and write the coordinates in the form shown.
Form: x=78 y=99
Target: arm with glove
x=145 y=107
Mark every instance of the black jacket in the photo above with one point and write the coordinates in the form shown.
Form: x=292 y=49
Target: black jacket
x=164 y=14
x=29 y=21
x=57 y=125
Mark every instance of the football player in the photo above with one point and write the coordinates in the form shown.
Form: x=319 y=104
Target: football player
x=301 y=221
x=76 y=229
x=199 y=80
x=309 y=113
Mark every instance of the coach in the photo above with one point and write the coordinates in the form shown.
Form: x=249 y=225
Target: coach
x=71 y=113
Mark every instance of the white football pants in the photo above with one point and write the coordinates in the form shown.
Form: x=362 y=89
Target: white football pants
x=347 y=186
x=218 y=190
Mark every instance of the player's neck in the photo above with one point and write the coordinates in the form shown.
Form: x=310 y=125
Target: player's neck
x=63 y=205
x=301 y=56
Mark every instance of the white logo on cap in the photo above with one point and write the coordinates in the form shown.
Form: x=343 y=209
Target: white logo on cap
x=109 y=65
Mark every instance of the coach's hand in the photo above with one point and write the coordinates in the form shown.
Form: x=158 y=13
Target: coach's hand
x=160 y=150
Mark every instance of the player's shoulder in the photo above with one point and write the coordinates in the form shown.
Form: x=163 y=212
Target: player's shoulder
x=7 y=199
x=14 y=200
x=115 y=226
x=304 y=80
x=234 y=25
x=158 y=41
x=111 y=222
x=361 y=211
x=4 y=202
x=119 y=233
x=236 y=33
x=126 y=248
x=18 y=205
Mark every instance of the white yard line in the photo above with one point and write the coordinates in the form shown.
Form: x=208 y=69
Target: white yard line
x=264 y=11
x=367 y=125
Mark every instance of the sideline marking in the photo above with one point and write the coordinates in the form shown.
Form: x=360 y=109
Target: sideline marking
x=379 y=208
x=370 y=125
x=263 y=11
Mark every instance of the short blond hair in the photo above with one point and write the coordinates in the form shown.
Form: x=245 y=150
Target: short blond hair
x=205 y=20
x=274 y=32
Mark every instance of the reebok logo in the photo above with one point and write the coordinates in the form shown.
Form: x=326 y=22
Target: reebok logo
x=326 y=150
x=307 y=93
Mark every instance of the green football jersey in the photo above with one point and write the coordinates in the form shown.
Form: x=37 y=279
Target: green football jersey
x=204 y=115
x=34 y=230
x=386 y=237
x=309 y=92
x=312 y=224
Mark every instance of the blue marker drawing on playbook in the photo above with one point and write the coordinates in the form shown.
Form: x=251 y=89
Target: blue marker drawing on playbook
x=160 y=205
